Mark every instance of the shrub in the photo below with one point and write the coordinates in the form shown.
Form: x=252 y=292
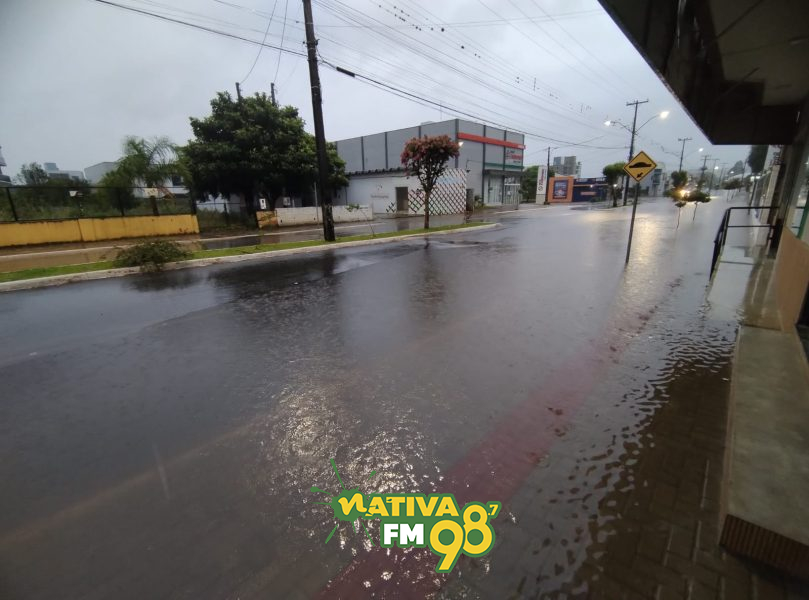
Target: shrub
x=151 y=256
x=699 y=196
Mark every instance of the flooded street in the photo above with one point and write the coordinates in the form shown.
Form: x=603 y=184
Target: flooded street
x=161 y=434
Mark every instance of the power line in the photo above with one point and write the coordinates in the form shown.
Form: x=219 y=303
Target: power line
x=534 y=41
x=264 y=39
x=578 y=43
x=283 y=31
x=365 y=78
x=200 y=27
x=433 y=54
x=565 y=143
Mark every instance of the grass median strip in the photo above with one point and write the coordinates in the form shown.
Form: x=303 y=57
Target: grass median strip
x=239 y=251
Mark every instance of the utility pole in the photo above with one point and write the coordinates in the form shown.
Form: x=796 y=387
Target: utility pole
x=632 y=148
x=547 y=175
x=682 y=151
x=238 y=92
x=713 y=168
x=702 y=177
x=320 y=135
x=272 y=94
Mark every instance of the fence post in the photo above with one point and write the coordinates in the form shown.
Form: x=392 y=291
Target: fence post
x=78 y=202
x=119 y=197
x=11 y=205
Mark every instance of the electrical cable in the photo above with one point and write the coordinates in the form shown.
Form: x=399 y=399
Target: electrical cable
x=261 y=47
x=283 y=31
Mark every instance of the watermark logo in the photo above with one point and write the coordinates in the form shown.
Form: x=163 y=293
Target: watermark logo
x=418 y=520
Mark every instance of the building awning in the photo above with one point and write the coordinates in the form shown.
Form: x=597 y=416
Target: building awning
x=739 y=68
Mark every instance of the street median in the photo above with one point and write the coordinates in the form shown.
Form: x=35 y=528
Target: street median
x=51 y=276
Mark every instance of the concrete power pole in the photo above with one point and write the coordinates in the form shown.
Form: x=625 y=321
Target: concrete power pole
x=547 y=175
x=323 y=191
x=632 y=146
x=682 y=151
x=702 y=177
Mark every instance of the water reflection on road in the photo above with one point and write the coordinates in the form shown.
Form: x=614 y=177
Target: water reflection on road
x=164 y=432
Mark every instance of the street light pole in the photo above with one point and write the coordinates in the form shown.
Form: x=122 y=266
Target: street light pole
x=682 y=152
x=632 y=144
x=320 y=135
x=547 y=175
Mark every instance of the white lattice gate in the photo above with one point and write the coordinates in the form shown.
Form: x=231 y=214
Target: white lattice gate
x=448 y=197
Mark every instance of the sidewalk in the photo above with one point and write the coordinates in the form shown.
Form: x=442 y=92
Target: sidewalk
x=54 y=255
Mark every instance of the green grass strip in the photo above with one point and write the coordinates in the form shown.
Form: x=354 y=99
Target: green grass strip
x=52 y=271
x=100 y=266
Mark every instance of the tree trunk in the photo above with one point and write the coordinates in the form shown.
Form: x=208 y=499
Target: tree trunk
x=614 y=198
x=426 y=209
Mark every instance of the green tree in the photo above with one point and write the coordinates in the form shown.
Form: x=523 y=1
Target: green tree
x=426 y=158
x=32 y=174
x=253 y=147
x=757 y=157
x=528 y=185
x=679 y=179
x=613 y=172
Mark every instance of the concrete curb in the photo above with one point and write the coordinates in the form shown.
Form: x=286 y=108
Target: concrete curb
x=41 y=282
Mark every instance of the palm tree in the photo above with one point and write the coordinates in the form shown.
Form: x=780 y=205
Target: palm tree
x=144 y=162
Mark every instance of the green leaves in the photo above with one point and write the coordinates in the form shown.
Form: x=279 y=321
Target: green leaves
x=254 y=146
x=613 y=172
x=148 y=162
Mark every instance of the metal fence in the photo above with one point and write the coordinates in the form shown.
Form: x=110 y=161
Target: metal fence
x=220 y=214
x=48 y=203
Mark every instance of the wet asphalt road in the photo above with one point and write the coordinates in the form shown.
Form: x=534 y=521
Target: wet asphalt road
x=160 y=434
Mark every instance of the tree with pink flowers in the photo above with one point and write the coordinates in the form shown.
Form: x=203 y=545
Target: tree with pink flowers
x=426 y=158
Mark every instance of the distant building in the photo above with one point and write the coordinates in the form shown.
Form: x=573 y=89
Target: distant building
x=488 y=169
x=55 y=172
x=95 y=173
x=173 y=185
x=566 y=166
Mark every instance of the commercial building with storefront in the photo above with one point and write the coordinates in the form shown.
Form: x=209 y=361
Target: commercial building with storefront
x=487 y=170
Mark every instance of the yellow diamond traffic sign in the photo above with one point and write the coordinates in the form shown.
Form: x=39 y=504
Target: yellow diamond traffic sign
x=640 y=166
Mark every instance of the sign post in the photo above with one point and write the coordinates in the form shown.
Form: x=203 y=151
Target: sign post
x=637 y=168
x=542 y=174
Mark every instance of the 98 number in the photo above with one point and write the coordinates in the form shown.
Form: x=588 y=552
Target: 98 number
x=475 y=518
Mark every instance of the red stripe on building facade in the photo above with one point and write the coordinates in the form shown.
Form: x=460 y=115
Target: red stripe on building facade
x=487 y=140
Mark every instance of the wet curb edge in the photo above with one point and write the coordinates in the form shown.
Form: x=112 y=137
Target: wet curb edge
x=28 y=284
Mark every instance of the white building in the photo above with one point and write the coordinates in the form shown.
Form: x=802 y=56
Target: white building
x=487 y=170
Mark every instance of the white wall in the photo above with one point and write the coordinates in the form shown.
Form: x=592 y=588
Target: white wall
x=311 y=215
x=379 y=192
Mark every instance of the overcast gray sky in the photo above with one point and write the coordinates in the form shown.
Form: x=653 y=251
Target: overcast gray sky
x=80 y=75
